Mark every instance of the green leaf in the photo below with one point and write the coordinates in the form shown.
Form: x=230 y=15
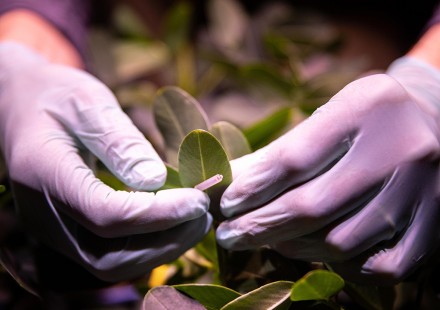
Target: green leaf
x=173 y=179
x=109 y=179
x=317 y=285
x=266 y=130
x=177 y=25
x=277 y=45
x=274 y=295
x=168 y=298
x=201 y=156
x=207 y=248
x=262 y=76
x=176 y=114
x=232 y=139
x=2 y=188
x=213 y=297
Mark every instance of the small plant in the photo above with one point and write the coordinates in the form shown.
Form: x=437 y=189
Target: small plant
x=201 y=154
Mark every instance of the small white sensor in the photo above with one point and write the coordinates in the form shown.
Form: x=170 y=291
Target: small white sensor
x=209 y=182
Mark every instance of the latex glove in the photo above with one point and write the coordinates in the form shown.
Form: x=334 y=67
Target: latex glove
x=357 y=182
x=51 y=116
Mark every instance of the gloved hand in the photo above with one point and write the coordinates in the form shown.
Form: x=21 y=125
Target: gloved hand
x=355 y=185
x=51 y=118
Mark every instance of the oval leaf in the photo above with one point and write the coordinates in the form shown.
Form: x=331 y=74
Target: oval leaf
x=201 y=156
x=274 y=295
x=317 y=285
x=168 y=298
x=232 y=139
x=176 y=114
x=213 y=297
x=109 y=179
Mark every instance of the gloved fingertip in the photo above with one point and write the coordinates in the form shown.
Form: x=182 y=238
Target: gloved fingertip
x=227 y=238
x=200 y=200
x=146 y=175
x=15 y=50
x=229 y=203
x=226 y=207
x=185 y=203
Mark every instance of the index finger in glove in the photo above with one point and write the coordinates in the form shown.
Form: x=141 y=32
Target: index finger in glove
x=71 y=187
x=299 y=155
x=91 y=112
x=375 y=153
x=354 y=183
x=370 y=117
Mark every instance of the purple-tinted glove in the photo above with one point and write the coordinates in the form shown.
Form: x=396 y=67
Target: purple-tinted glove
x=51 y=118
x=356 y=184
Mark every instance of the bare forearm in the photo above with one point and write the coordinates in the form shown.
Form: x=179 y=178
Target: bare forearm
x=30 y=29
x=428 y=47
x=55 y=28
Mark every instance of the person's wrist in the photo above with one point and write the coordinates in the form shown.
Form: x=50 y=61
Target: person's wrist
x=421 y=80
x=30 y=29
x=427 y=49
x=419 y=70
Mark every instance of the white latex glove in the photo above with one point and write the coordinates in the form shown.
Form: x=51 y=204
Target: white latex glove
x=356 y=184
x=51 y=116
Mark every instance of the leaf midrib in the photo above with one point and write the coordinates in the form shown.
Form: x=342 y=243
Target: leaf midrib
x=201 y=157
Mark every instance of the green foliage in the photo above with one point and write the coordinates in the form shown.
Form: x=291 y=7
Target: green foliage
x=177 y=25
x=233 y=140
x=176 y=114
x=173 y=179
x=109 y=179
x=317 y=285
x=265 y=76
x=213 y=297
x=168 y=298
x=208 y=249
x=264 y=131
x=2 y=188
x=194 y=152
x=270 y=296
x=271 y=69
x=201 y=156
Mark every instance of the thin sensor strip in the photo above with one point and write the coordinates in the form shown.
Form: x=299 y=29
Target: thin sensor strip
x=209 y=182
